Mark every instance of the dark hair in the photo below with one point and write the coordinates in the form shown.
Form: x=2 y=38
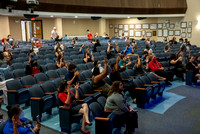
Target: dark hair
x=181 y=39
x=13 y=110
x=166 y=47
x=145 y=52
x=95 y=63
x=172 y=56
x=115 y=88
x=88 y=30
x=122 y=56
x=71 y=67
x=30 y=51
x=147 y=47
x=85 y=52
x=112 y=65
x=190 y=57
x=62 y=86
x=4 y=48
x=96 y=71
x=197 y=57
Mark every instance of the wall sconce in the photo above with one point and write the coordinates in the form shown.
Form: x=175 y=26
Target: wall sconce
x=198 y=22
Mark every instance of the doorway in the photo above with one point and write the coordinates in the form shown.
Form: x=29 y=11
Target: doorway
x=29 y=28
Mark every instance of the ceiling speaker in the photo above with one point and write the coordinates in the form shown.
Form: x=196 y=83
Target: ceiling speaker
x=141 y=18
x=95 y=18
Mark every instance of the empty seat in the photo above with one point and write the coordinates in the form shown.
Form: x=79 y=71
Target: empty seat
x=51 y=66
x=18 y=73
x=52 y=74
x=17 y=66
x=62 y=71
x=16 y=93
x=28 y=81
x=41 y=77
x=81 y=67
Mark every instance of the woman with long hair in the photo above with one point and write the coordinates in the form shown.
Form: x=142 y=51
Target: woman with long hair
x=67 y=97
x=61 y=62
x=88 y=56
x=117 y=102
x=7 y=54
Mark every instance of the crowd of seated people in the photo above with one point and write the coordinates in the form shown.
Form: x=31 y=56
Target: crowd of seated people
x=143 y=65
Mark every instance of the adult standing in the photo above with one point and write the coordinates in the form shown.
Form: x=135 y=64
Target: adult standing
x=89 y=35
x=182 y=51
x=54 y=33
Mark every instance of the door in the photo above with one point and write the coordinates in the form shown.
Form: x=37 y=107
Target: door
x=37 y=28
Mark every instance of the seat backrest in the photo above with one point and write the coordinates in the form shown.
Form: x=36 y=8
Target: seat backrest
x=51 y=66
x=18 y=73
x=28 y=80
x=96 y=109
x=137 y=83
x=62 y=71
x=89 y=65
x=48 y=87
x=14 y=85
x=3 y=123
x=102 y=101
x=52 y=74
x=145 y=80
x=8 y=75
x=87 y=74
x=86 y=88
x=40 y=77
x=57 y=82
x=17 y=66
x=36 y=91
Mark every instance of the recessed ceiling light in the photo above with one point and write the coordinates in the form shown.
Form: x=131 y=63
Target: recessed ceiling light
x=76 y=16
x=128 y=17
x=51 y=16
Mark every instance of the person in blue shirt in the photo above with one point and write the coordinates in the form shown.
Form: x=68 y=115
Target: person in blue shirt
x=32 y=56
x=82 y=49
x=65 y=37
x=72 y=77
x=17 y=124
x=128 y=50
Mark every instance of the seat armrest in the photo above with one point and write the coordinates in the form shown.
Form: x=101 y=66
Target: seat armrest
x=86 y=95
x=35 y=98
x=11 y=91
x=189 y=70
x=51 y=78
x=131 y=76
x=80 y=81
x=64 y=107
x=101 y=119
x=139 y=74
x=49 y=93
x=140 y=88
x=88 y=78
x=39 y=82
x=25 y=86
x=108 y=111
x=62 y=75
x=148 y=85
x=80 y=100
x=154 y=82
x=97 y=90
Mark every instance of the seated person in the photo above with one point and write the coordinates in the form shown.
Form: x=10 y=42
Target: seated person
x=170 y=44
x=72 y=77
x=65 y=37
x=111 y=51
x=166 y=48
x=174 y=40
x=123 y=63
x=57 y=38
x=58 y=50
x=145 y=56
x=88 y=56
x=7 y=55
x=32 y=55
x=16 y=122
x=67 y=97
x=127 y=39
x=133 y=44
x=118 y=103
x=191 y=65
x=152 y=44
x=4 y=41
x=149 y=50
x=116 y=76
x=128 y=50
x=33 y=68
x=60 y=62
x=97 y=78
x=147 y=41
x=82 y=49
x=155 y=66
x=97 y=63
x=198 y=61
x=179 y=69
x=62 y=46
x=74 y=41
x=95 y=45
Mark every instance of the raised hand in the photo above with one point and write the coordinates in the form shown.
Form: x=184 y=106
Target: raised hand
x=77 y=86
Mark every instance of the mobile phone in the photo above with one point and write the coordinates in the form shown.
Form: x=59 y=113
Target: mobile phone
x=38 y=118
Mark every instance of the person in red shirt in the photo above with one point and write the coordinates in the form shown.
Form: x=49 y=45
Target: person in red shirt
x=67 y=97
x=155 y=66
x=89 y=35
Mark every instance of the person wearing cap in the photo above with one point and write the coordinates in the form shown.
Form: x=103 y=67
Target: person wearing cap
x=54 y=33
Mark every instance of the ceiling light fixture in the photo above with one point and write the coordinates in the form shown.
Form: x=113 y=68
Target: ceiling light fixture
x=128 y=17
x=51 y=16
x=76 y=17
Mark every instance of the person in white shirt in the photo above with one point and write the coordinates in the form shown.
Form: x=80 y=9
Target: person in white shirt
x=54 y=33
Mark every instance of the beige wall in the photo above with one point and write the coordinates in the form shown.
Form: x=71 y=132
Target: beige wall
x=15 y=27
x=4 y=27
x=47 y=24
x=79 y=27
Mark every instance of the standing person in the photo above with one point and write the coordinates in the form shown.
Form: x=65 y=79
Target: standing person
x=117 y=102
x=182 y=50
x=67 y=97
x=95 y=45
x=54 y=33
x=17 y=123
x=89 y=35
